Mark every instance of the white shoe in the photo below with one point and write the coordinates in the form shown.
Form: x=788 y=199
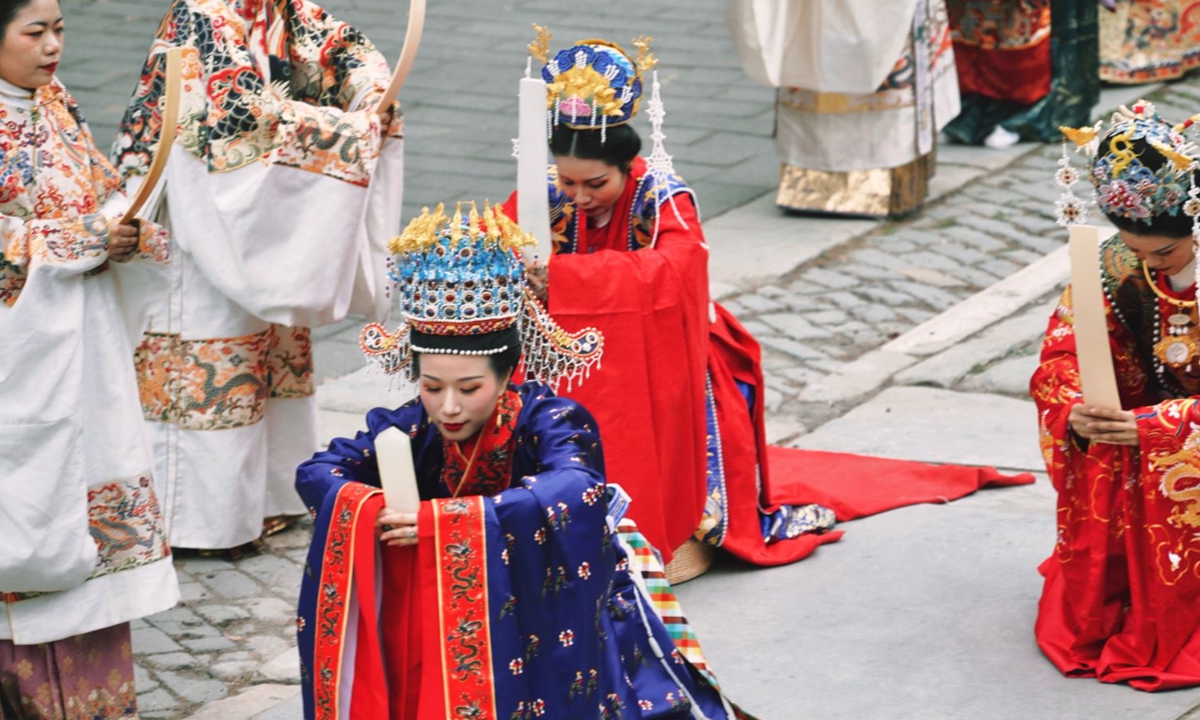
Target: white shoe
x=1001 y=138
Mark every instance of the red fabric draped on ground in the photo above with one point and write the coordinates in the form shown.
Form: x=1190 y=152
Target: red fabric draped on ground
x=855 y=486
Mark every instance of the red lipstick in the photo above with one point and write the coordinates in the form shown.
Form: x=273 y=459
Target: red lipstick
x=453 y=427
x=50 y=67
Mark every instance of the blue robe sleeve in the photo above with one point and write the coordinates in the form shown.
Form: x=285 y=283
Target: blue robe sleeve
x=318 y=481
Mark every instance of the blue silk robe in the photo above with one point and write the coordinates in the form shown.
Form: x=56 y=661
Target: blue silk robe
x=526 y=606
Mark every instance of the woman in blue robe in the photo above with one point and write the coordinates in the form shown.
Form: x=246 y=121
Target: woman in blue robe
x=513 y=594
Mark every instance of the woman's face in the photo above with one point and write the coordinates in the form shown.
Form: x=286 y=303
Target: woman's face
x=459 y=393
x=592 y=185
x=1167 y=255
x=32 y=45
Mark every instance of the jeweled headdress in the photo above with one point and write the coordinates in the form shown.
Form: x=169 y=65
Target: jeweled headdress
x=596 y=84
x=593 y=85
x=462 y=292
x=1126 y=183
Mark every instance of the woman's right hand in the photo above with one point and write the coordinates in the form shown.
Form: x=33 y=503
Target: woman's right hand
x=1117 y=427
x=122 y=239
x=397 y=528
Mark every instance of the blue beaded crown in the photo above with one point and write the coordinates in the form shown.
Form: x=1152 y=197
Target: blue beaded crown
x=461 y=283
x=594 y=84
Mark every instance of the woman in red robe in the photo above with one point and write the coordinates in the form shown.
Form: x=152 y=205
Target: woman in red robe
x=680 y=394
x=1120 y=596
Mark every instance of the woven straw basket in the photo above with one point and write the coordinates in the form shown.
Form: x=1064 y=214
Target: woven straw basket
x=692 y=559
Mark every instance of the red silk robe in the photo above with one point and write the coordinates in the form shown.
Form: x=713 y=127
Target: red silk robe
x=1121 y=600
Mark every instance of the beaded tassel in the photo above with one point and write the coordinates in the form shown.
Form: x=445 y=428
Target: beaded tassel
x=1071 y=209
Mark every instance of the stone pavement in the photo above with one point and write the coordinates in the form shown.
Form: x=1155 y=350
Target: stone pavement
x=857 y=319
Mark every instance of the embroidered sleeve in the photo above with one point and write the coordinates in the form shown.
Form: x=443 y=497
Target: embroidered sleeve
x=54 y=241
x=154 y=244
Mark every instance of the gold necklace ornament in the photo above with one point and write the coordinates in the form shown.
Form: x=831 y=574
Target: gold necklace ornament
x=1178 y=348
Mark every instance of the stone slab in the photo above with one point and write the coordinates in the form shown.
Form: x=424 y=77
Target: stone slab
x=938 y=426
x=951 y=365
x=251 y=703
x=921 y=613
x=1008 y=377
x=758 y=241
x=290 y=709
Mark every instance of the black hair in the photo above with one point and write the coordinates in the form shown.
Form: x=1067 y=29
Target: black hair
x=8 y=12
x=503 y=362
x=620 y=145
x=1177 y=225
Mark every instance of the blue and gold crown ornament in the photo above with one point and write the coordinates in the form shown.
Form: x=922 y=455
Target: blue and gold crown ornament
x=594 y=84
x=462 y=291
x=1125 y=184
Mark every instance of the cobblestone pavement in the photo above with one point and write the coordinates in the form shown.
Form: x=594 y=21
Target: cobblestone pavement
x=235 y=625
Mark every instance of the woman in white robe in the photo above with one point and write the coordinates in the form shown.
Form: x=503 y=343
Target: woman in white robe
x=280 y=196
x=864 y=88
x=82 y=546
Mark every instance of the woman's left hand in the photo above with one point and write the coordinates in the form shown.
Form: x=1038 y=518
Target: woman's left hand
x=1117 y=427
x=397 y=528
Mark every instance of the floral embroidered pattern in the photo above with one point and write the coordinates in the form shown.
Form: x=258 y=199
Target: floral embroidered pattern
x=203 y=384
x=126 y=523
x=290 y=362
x=52 y=185
x=236 y=115
x=461 y=568
x=336 y=572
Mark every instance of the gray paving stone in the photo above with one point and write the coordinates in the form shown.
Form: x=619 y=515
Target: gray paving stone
x=883 y=296
x=795 y=349
x=191 y=689
x=870 y=272
x=844 y=300
x=231 y=584
x=758 y=303
x=143 y=680
x=209 y=644
x=1008 y=377
x=876 y=257
x=222 y=614
x=272 y=609
x=935 y=258
x=876 y=313
x=150 y=640
x=826 y=317
x=793 y=326
x=232 y=670
x=976 y=277
x=828 y=278
x=270 y=645
x=1000 y=267
x=936 y=297
x=170 y=660
x=156 y=700
x=756 y=328
x=187 y=629
x=192 y=591
x=962 y=254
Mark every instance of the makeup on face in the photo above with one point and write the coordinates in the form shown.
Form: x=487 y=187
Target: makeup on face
x=1163 y=254
x=459 y=393
x=32 y=45
x=594 y=186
